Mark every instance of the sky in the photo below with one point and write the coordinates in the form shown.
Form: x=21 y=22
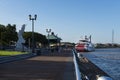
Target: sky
x=69 y=19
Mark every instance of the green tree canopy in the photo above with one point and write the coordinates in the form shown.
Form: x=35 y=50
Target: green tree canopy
x=7 y=34
x=2 y=28
x=39 y=38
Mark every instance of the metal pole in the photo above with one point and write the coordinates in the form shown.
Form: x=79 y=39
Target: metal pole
x=32 y=19
x=90 y=38
x=48 y=31
x=29 y=43
x=112 y=37
x=48 y=41
x=33 y=36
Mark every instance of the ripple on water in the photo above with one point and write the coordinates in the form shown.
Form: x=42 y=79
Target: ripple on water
x=108 y=60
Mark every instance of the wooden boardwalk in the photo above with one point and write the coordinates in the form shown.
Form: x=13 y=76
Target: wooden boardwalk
x=48 y=66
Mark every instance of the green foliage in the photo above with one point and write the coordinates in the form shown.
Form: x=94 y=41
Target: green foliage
x=2 y=28
x=7 y=33
x=38 y=38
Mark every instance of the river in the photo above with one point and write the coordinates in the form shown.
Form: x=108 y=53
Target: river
x=106 y=59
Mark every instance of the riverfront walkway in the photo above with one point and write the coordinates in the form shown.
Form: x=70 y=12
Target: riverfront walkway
x=48 y=66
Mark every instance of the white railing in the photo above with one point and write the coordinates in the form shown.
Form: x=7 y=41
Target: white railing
x=77 y=71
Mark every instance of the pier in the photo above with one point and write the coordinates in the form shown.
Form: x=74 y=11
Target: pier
x=48 y=66
x=51 y=66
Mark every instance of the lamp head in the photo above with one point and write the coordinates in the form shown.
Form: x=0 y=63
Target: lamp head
x=48 y=30
x=35 y=16
x=29 y=17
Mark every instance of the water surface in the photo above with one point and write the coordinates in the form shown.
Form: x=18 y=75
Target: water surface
x=107 y=59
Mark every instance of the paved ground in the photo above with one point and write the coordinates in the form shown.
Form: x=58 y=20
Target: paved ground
x=48 y=66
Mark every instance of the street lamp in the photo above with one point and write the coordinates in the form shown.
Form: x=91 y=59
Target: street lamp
x=48 y=31
x=32 y=19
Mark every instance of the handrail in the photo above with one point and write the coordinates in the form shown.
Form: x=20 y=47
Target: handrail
x=77 y=71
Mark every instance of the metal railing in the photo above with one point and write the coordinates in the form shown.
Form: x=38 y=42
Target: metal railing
x=77 y=71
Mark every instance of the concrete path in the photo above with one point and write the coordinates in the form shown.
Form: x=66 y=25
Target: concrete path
x=48 y=66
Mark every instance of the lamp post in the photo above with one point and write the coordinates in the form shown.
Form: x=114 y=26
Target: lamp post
x=48 y=31
x=32 y=19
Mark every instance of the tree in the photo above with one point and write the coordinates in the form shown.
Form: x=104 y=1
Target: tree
x=38 y=38
x=7 y=34
x=2 y=29
x=11 y=31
